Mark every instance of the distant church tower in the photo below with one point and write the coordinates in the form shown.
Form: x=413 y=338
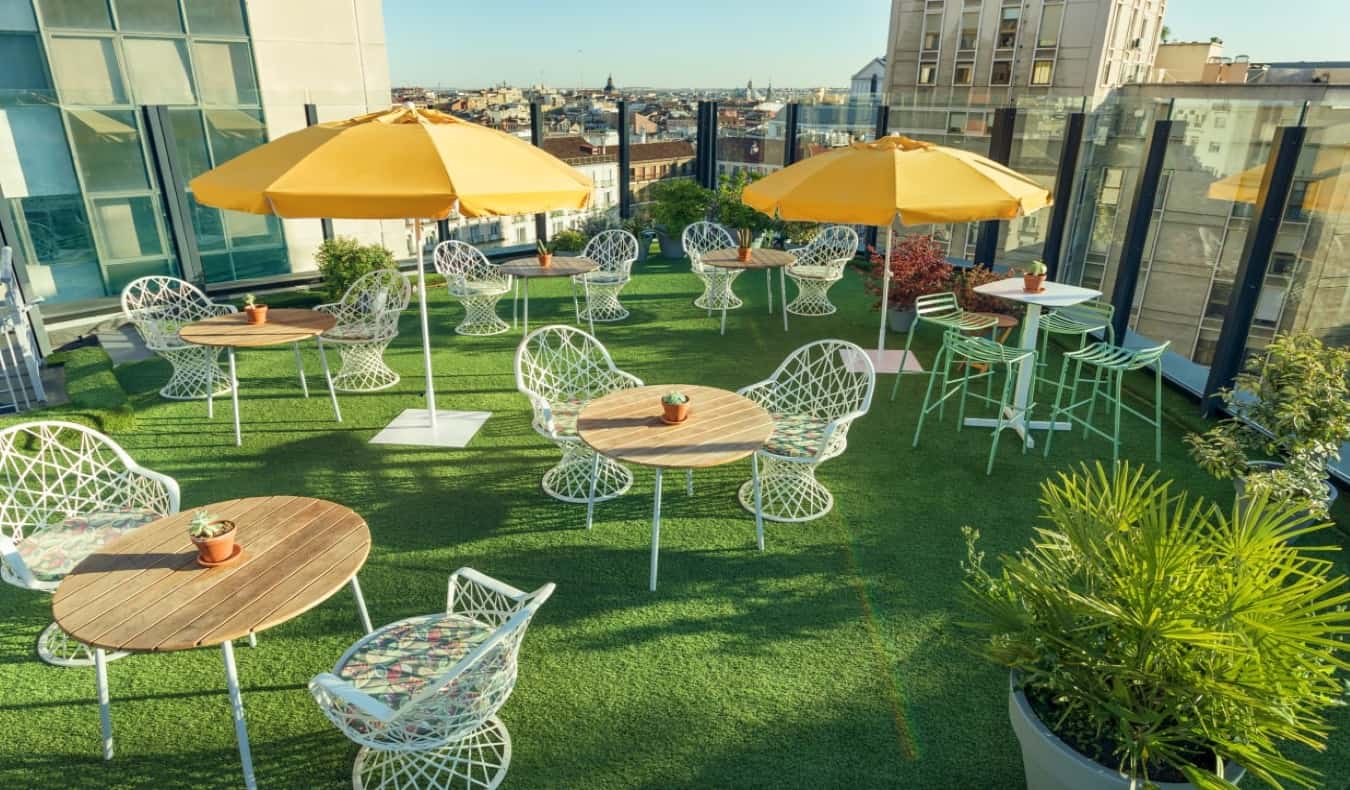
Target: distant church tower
x=750 y=90
x=609 y=85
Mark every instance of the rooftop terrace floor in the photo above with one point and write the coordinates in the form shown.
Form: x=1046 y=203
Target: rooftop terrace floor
x=832 y=659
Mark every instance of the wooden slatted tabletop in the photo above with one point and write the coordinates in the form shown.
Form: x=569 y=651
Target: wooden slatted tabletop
x=561 y=267
x=284 y=325
x=146 y=592
x=760 y=258
x=722 y=427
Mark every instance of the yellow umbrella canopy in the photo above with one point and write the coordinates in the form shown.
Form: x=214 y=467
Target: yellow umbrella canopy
x=1328 y=193
x=393 y=164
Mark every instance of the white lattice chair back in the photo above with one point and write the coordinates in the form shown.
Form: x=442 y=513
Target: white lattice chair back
x=462 y=263
x=833 y=245
x=562 y=364
x=614 y=251
x=53 y=471
x=702 y=237
x=374 y=302
x=158 y=306
x=829 y=380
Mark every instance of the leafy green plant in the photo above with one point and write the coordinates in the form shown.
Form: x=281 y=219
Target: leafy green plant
x=964 y=281
x=729 y=210
x=674 y=398
x=205 y=526
x=1161 y=636
x=250 y=300
x=342 y=261
x=569 y=241
x=918 y=266
x=541 y=248
x=679 y=202
x=798 y=232
x=1291 y=403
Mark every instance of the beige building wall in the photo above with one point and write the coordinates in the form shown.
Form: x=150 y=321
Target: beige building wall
x=1184 y=61
x=333 y=54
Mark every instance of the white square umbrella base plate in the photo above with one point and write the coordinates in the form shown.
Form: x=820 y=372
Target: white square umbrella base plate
x=413 y=426
x=889 y=362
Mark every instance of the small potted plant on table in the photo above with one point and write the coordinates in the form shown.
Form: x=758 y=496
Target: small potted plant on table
x=544 y=254
x=213 y=537
x=674 y=407
x=1033 y=277
x=256 y=313
x=744 y=238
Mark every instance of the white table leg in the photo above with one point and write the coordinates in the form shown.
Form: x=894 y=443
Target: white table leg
x=759 y=510
x=782 y=286
x=252 y=639
x=1025 y=371
x=724 y=317
x=525 y=322
x=768 y=286
x=590 y=314
x=515 y=298
x=234 y=397
x=689 y=482
x=361 y=605
x=237 y=708
x=104 y=711
x=210 y=389
x=656 y=530
x=300 y=367
x=328 y=377
x=590 y=500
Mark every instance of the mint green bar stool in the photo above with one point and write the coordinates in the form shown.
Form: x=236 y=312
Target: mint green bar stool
x=976 y=350
x=1108 y=365
x=943 y=310
x=1079 y=320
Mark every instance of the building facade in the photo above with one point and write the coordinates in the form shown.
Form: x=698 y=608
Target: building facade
x=82 y=161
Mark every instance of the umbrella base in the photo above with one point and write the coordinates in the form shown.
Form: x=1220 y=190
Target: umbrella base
x=888 y=362
x=413 y=427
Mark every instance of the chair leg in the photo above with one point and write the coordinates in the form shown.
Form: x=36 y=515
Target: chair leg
x=1157 y=412
x=1096 y=390
x=928 y=394
x=1115 y=430
x=1055 y=412
x=1003 y=403
x=909 y=339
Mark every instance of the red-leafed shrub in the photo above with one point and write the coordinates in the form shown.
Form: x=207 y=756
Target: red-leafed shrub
x=918 y=266
x=964 y=282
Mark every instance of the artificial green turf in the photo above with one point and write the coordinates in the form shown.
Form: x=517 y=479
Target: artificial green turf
x=830 y=660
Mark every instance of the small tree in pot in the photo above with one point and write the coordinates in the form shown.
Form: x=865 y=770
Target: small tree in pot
x=918 y=267
x=679 y=202
x=1291 y=414
x=1157 y=640
x=342 y=261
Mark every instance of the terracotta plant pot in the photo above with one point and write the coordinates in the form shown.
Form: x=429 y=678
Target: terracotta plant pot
x=545 y=260
x=674 y=413
x=1033 y=283
x=257 y=314
x=743 y=254
x=217 y=549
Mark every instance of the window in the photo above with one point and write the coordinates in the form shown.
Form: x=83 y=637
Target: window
x=86 y=14
x=1282 y=263
x=970 y=30
x=1112 y=179
x=86 y=71
x=224 y=72
x=964 y=73
x=1220 y=121
x=1298 y=195
x=149 y=16
x=932 y=30
x=127 y=227
x=1041 y=72
x=1214 y=148
x=158 y=70
x=1050 y=19
x=108 y=146
x=927 y=73
x=956 y=122
x=1002 y=73
x=215 y=17
x=23 y=63
x=1007 y=28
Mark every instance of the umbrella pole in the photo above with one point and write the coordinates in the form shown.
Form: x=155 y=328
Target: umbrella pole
x=885 y=298
x=426 y=329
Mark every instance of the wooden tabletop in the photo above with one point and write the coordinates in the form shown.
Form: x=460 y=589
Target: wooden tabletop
x=760 y=258
x=284 y=325
x=722 y=427
x=146 y=592
x=561 y=267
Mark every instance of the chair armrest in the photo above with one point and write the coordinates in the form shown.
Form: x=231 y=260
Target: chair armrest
x=169 y=485
x=223 y=309
x=328 y=307
x=837 y=422
x=330 y=685
x=759 y=391
x=625 y=380
x=9 y=555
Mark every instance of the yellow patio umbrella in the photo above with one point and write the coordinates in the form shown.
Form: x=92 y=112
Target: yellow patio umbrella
x=895 y=179
x=401 y=163
x=1328 y=193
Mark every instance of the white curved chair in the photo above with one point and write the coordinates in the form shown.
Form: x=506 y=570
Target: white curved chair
x=420 y=696
x=813 y=398
x=367 y=322
x=476 y=283
x=561 y=369
x=68 y=490
x=701 y=237
x=819 y=266
x=158 y=306
x=614 y=251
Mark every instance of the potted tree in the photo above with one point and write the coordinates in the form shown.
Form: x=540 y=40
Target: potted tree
x=256 y=313
x=918 y=266
x=1290 y=412
x=213 y=537
x=731 y=211
x=679 y=202
x=342 y=261
x=1159 y=642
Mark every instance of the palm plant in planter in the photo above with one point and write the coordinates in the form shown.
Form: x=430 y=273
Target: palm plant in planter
x=1291 y=414
x=1154 y=640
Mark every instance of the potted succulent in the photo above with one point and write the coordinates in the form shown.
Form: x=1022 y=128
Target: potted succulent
x=918 y=267
x=743 y=239
x=1033 y=277
x=213 y=537
x=1290 y=412
x=674 y=407
x=1155 y=641
x=256 y=313
x=544 y=254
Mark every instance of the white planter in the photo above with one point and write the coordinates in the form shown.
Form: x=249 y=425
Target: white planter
x=1051 y=764
x=901 y=320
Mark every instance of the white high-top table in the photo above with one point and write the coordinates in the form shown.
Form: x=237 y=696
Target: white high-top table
x=1052 y=295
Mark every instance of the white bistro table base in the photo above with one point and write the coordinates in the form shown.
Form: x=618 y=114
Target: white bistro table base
x=234 y=390
x=768 y=281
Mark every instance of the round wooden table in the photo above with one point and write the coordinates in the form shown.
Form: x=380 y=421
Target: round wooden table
x=284 y=325
x=722 y=427
x=145 y=592
x=765 y=258
x=526 y=269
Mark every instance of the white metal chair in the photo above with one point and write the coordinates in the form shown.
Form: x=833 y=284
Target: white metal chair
x=421 y=696
x=701 y=237
x=614 y=252
x=367 y=322
x=68 y=490
x=158 y=306
x=813 y=397
x=818 y=267
x=561 y=369
x=476 y=283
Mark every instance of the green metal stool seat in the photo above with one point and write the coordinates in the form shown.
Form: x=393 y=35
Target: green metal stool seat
x=1079 y=320
x=1107 y=365
x=975 y=350
x=941 y=309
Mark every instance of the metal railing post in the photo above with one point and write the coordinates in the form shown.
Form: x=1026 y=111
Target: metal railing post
x=1136 y=228
x=312 y=118
x=173 y=186
x=537 y=139
x=1064 y=178
x=1000 y=150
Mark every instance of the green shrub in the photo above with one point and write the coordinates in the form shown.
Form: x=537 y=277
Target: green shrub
x=1155 y=634
x=342 y=261
x=568 y=241
x=731 y=212
x=679 y=203
x=97 y=398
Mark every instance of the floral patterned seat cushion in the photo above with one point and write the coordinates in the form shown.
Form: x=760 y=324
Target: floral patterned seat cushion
x=815 y=272
x=565 y=416
x=52 y=553
x=479 y=288
x=399 y=659
x=795 y=435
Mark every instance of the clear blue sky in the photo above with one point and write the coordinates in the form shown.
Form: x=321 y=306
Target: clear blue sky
x=722 y=43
